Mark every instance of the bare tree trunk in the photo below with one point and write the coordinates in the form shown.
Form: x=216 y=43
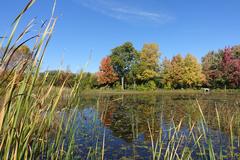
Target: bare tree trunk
x=122 y=79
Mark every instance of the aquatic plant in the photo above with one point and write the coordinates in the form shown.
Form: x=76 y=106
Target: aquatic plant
x=33 y=126
x=29 y=115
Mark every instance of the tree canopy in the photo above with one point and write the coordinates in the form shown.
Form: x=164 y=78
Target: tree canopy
x=106 y=74
x=21 y=55
x=222 y=68
x=149 y=62
x=122 y=58
x=143 y=70
x=182 y=72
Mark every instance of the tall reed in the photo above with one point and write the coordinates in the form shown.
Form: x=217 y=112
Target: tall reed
x=29 y=117
x=32 y=126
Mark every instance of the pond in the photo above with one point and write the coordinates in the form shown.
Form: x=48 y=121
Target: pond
x=157 y=126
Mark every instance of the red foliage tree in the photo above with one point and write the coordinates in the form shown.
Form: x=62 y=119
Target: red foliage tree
x=231 y=69
x=106 y=74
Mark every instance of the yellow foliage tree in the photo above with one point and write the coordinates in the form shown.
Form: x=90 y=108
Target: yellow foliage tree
x=182 y=72
x=149 y=62
x=192 y=70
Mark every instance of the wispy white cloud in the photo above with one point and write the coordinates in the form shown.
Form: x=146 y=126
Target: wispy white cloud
x=121 y=11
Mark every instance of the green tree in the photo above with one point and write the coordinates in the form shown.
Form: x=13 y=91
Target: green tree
x=122 y=58
x=132 y=75
x=88 y=80
x=149 y=62
x=59 y=78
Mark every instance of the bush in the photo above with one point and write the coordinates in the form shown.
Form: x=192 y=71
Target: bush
x=141 y=87
x=167 y=86
x=151 y=85
x=117 y=86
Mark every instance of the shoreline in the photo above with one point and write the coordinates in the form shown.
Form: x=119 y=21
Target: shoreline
x=160 y=91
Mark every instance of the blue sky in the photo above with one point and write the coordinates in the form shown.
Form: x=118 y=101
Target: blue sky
x=94 y=27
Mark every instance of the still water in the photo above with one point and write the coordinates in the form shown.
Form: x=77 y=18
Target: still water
x=129 y=126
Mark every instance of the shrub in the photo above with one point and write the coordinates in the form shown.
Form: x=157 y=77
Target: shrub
x=151 y=85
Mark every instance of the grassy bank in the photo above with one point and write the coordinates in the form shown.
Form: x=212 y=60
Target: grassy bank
x=160 y=91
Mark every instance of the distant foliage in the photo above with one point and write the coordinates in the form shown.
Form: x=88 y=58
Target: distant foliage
x=88 y=81
x=230 y=68
x=182 y=72
x=236 y=51
x=17 y=59
x=142 y=70
x=69 y=79
x=131 y=77
x=16 y=56
x=222 y=68
x=177 y=67
x=192 y=75
x=122 y=60
x=60 y=78
x=167 y=74
x=211 y=69
x=106 y=75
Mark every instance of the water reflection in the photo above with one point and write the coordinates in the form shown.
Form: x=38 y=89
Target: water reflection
x=128 y=120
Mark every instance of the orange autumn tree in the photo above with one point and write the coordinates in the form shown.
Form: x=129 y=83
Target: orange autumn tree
x=106 y=74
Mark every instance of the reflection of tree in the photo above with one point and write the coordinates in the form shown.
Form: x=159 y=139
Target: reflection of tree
x=116 y=115
x=121 y=123
x=107 y=113
x=127 y=116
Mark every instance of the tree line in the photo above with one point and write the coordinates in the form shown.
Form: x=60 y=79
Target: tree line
x=127 y=68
